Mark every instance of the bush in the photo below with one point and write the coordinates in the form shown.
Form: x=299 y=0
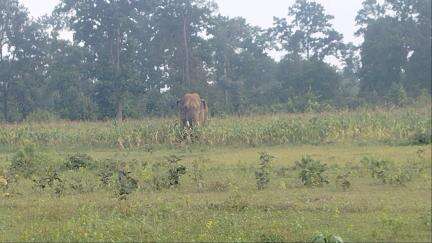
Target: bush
x=272 y=237
x=343 y=182
x=311 y=171
x=321 y=238
x=126 y=183
x=388 y=173
x=50 y=180
x=29 y=161
x=106 y=172
x=262 y=174
x=175 y=170
x=77 y=161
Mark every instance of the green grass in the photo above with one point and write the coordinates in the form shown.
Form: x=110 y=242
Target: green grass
x=369 y=211
x=226 y=206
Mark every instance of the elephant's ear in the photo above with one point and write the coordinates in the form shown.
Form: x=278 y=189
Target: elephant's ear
x=204 y=103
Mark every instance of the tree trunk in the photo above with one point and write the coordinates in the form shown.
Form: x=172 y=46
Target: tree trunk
x=5 y=102
x=119 y=91
x=186 y=48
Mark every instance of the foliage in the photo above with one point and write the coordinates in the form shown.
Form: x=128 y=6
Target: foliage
x=77 y=161
x=320 y=238
x=126 y=184
x=144 y=48
x=30 y=160
x=311 y=171
x=262 y=174
x=343 y=181
x=388 y=172
x=363 y=125
x=50 y=179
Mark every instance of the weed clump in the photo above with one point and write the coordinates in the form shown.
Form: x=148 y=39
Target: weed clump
x=262 y=174
x=312 y=171
x=25 y=161
x=342 y=181
x=77 y=161
x=387 y=172
x=126 y=183
x=321 y=238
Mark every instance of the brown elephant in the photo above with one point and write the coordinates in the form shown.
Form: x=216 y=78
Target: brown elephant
x=193 y=110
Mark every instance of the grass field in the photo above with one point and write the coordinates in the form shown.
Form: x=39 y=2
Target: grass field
x=217 y=199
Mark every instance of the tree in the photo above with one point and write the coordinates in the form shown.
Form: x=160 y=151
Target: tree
x=180 y=26
x=106 y=29
x=309 y=33
x=371 y=10
x=22 y=53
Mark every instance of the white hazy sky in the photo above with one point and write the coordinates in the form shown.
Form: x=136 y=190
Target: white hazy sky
x=257 y=12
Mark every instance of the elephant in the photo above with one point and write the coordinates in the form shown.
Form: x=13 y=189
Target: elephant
x=193 y=110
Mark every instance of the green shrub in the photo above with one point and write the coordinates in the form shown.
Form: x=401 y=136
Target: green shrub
x=321 y=238
x=49 y=181
x=272 y=237
x=106 y=172
x=342 y=181
x=77 y=161
x=422 y=137
x=29 y=161
x=311 y=171
x=387 y=172
x=378 y=168
x=126 y=182
x=262 y=174
x=175 y=170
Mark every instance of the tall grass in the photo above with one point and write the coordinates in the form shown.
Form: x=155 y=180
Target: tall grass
x=367 y=125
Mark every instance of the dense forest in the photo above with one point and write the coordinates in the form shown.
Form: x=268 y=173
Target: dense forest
x=135 y=58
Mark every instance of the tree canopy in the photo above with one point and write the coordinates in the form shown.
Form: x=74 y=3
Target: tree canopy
x=130 y=59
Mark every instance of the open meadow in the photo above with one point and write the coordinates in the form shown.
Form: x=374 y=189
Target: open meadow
x=360 y=175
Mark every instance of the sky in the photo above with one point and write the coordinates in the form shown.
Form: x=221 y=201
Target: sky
x=256 y=12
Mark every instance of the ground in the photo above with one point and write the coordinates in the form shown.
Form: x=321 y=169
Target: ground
x=228 y=206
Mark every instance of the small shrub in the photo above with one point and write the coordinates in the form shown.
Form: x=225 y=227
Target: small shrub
x=126 y=183
x=28 y=161
x=342 y=181
x=77 y=161
x=50 y=181
x=175 y=170
x=262 y=174
x=377 y=167
x=106 y=172
x=321 y=238
x=422 y=137
x=388 y=173
x=311 y=171
x=272 y=237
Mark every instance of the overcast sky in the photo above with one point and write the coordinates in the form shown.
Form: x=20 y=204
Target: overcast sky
x=257 y=12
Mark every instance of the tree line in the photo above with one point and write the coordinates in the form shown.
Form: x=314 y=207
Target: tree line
x=134 y=58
